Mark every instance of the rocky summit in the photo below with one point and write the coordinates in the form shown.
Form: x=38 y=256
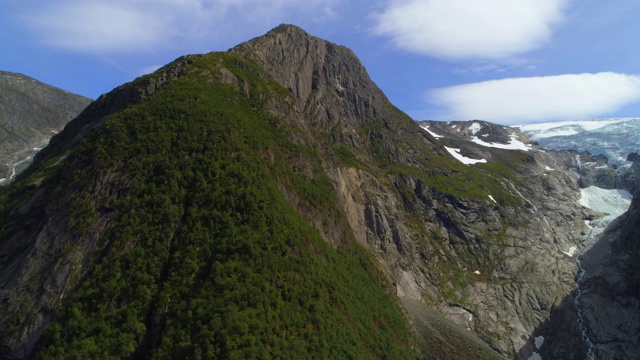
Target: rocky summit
x=270 y=202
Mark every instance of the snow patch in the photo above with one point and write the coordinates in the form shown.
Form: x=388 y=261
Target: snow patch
x=463 y=159
x=492 y=199
x=477 y=272
x=609 y=201
x=571 y=252
x=548 y=168
x=426 y=127
x=539 y=340
x=514 y=144
x=475 y=127
x=535 y=356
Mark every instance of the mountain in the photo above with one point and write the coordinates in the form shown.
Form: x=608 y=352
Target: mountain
x=600 y=142
x=610 y=284
x=269 y=201
x=598 y=319
x=614 y=138
x=30 y=113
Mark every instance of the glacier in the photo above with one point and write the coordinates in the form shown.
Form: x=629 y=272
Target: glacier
x=614 y=138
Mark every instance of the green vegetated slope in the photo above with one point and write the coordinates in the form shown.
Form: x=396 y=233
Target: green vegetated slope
x=203 y=256
x=205 y=204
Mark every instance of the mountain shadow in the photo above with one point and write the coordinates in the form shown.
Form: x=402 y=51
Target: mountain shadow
x=604 y=321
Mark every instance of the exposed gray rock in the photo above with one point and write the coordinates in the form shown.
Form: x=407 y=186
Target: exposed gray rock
x=595 y=170
x=31 y=112
x=502 y=262
x=609 y=301
x=487 y=246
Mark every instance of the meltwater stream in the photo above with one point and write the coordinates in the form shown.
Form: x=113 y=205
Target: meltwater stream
x=607 y=201
x=583 y=328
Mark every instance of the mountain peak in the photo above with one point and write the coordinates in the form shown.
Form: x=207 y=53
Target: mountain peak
x=289 y=28
x=301 y=62
x=331 y=87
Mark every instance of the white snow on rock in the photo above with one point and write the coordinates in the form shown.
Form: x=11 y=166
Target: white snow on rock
x=609 y=201
x=535 y=356
x=463 y=159
x=475 y=127
x=514 y=144
x=492 y=199
x=538 y=341
x=612 y=202
x=477 y=272
x=426 y=127
x=571 y=252
x=548 y=168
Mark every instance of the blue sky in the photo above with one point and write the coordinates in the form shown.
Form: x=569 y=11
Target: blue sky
x=505 y=61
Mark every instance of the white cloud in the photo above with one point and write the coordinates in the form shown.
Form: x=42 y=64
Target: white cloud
x=462 y=29
x=518 y=100
x=110 y=26
x=98 y=26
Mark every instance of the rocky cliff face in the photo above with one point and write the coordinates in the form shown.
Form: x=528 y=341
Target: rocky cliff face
x=485 y=264
x=602 y=322
x=490 y=246
x=598 y=319
x=30 y=114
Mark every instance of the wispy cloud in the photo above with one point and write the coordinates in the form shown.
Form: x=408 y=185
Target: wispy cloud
x=483 y=67
x=98 y=26
x=463 y=29
x=520 y=100
x=112 y=26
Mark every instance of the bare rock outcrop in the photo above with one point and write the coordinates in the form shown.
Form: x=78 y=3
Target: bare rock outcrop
x=31 y=112
x=489 y=246
x=497 y=267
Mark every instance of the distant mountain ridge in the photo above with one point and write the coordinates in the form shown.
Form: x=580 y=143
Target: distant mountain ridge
x=31 y=112
x=614 y=138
